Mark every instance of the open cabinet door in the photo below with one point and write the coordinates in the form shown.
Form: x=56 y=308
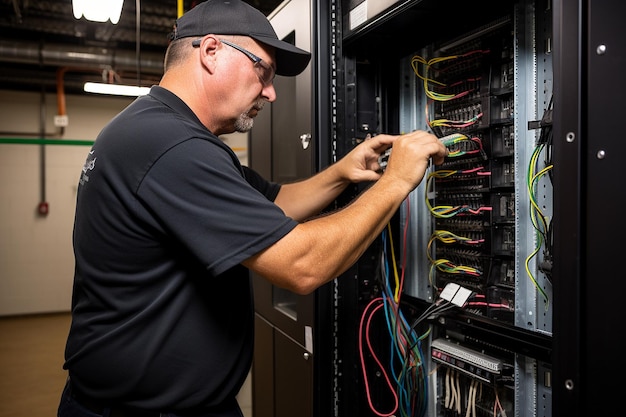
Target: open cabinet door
x=282 y=150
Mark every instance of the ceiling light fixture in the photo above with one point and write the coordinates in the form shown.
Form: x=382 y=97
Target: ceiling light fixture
x=98 y=10
x=116 y=89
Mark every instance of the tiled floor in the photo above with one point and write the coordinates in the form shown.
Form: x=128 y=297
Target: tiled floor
x=31 y=359
x=245 y=398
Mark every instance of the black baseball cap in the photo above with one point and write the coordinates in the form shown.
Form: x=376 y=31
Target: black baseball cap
x=235 y=17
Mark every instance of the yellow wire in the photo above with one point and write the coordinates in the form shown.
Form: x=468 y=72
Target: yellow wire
x=532 y=277
x=431 y=94
x=536 y=216
x=396 y=294
x=438 y=211
x=533 y=201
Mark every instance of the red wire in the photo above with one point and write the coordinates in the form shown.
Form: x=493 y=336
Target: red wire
x=492 y=305
x=362 y=357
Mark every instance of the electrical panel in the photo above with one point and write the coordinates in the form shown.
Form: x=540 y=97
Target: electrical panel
x=450 y=312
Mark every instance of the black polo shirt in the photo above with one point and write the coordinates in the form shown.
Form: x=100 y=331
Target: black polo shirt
x=162 y=311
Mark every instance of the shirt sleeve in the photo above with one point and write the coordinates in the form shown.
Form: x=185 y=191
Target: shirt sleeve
x=204 y=201
x=267 y=188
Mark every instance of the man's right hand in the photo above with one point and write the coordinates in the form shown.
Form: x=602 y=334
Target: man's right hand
x=411 y=156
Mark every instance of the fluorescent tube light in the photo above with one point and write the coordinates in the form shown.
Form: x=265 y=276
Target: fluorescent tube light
x=116 y=89
x=98 y=10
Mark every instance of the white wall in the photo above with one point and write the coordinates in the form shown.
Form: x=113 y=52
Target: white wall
x=36 y=258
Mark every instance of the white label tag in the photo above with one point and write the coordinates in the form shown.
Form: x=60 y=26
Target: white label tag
x=449 y=291
x=61 y=120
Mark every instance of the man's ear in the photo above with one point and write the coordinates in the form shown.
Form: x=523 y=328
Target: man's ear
x=209 y=45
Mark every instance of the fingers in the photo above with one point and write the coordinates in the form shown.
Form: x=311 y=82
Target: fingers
x=379 y=141
x=418 y=147
x=440 y=156
x=430 y=143
x=412 y=154
x=382 y=142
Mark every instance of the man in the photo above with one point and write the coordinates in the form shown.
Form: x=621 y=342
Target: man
x=168 y=223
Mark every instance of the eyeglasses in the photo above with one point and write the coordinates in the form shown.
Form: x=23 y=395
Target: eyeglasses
x=265 y=72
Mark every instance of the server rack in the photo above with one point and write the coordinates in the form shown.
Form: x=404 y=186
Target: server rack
x=520 y=93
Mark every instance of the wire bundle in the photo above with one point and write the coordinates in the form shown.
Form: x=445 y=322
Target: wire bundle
x=539 y=221
x=406 y=367
x=446 y=211
x=405 y=376
x=418 y=61
x=446 y=236
x=456 y=124
x=459 y=144
x=453 y=398
x=479 y=300
x=446 y=265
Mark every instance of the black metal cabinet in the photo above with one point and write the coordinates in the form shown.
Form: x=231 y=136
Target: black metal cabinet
x=289 y=142
x=281 y=150
x=293 y=358
x=282 y=375
x=590 y=55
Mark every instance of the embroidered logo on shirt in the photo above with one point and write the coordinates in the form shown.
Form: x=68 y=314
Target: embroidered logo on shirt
x=89 y=165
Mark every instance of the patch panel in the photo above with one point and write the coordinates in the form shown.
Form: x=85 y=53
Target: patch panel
x=476 y=364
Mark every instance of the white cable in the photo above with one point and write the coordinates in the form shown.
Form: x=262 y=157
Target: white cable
x=452 y=390
x=474 y=399
x=447 y=398
x=458 y=392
